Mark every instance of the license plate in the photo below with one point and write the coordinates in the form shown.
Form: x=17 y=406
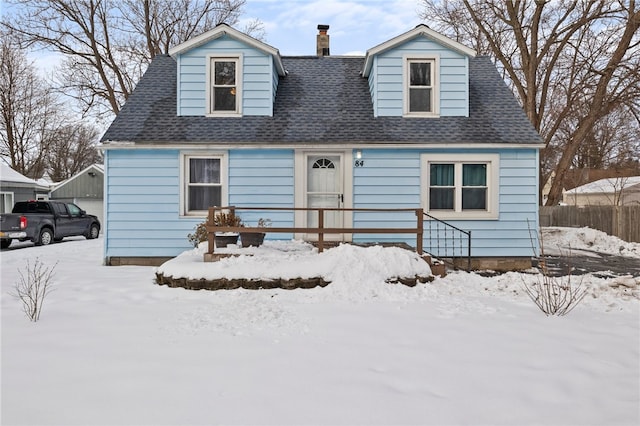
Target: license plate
x=2 y=234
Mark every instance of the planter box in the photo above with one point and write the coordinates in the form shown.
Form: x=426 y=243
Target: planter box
x=223 y=240
x=249 y=239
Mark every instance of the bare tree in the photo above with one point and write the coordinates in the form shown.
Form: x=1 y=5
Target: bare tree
x=73 y=148
x=612 y=143
x=28 y=111
x=165 y=23
x=109 y=43
x=570 y=62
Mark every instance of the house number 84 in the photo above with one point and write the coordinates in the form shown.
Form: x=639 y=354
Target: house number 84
x=359 y=163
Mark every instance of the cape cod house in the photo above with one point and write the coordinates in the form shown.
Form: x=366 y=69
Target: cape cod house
x=419 y=121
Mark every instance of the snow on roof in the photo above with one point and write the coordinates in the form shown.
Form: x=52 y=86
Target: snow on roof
x=98 y=167
x=607 y=185
x=7 y=174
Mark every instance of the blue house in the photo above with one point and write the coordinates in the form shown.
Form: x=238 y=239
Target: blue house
x=419 y=121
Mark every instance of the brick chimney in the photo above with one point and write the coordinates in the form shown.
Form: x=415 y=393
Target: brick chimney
x=322 y=41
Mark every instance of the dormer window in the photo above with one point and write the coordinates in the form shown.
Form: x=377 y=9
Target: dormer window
x=224 y=86
x=421 y=95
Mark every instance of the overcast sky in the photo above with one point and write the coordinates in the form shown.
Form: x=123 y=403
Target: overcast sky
x=355 y=25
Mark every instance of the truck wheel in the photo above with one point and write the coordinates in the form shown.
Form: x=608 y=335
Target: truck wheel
x=94 y=231
x=5 y=243
x=46 y=237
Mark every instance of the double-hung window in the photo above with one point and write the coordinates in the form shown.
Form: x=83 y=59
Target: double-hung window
x=420 y=86
x=224 y=85
x=204 y=183
x=461 y=186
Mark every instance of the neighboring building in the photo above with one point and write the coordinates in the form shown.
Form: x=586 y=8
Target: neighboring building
x=16 y=187
x=86 y=189
x=621 y=191
x=419 y=121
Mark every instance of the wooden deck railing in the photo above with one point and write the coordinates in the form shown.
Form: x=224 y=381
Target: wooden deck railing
x=320 y=230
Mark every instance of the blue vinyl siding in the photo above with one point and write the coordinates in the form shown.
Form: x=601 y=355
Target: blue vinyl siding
x=275 y=81
x=391 y=178
x=373 y=81
x=388 y=179
x=263 y=178
x=386 y=79
x=142 y=198
x=259 y=77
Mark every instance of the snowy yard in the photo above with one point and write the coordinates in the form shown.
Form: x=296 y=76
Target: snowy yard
x=114 y=348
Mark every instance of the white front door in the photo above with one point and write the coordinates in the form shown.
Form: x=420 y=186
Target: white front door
x=325 y=189
x=323 y=180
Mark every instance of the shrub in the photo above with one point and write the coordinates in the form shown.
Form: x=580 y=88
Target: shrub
x=199 y=235
x=264 y=223
x=227 y=219
x=32 y=288
x=221 y=219
x=553 y=295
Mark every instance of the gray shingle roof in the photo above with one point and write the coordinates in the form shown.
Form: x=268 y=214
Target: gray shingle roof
x=323 y=100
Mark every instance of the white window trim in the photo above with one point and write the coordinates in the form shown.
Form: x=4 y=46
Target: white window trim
x=435 y=59
x=7 y=200
x=493 y=185
x=184 y=180
x=209 y=84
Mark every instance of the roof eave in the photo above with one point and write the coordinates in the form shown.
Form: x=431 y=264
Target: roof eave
x=59 y=185
x=222 y=30
x=420 y=30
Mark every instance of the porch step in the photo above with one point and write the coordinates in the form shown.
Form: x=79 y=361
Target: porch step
x=437 y=266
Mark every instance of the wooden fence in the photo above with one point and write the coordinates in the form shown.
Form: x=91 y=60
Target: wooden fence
x=620 y=221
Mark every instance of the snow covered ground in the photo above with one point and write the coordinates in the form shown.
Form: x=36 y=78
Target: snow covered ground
x=114 y=348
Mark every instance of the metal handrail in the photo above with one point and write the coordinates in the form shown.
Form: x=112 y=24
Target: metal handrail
x=446 y=248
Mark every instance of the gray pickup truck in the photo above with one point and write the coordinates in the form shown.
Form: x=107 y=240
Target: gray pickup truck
x=46 y=221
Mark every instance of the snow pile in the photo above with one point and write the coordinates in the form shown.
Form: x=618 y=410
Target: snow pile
x=602 y=294
x=562 y=240
x=358 y=274
x=342 y=265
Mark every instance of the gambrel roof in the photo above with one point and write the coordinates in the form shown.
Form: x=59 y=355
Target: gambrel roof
x=325 y=101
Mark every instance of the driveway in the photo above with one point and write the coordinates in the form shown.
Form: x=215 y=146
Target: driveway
x=600 y=264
